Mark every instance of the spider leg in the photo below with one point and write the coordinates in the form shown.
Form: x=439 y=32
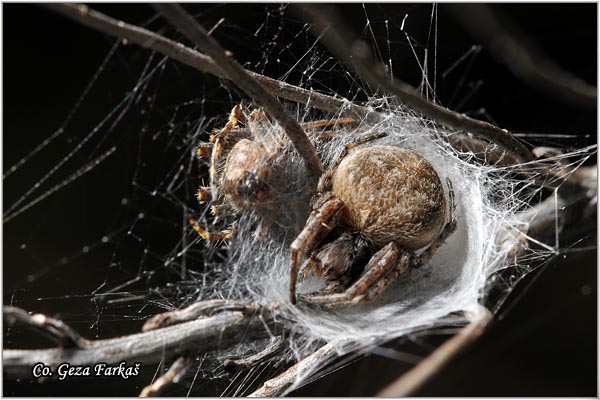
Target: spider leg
x=322 y=220
x=383 y=268
x=210 y=236
x=325 y=180
x=219 y=138
x=324 y=135
x=308 y=265
x=446 y=232
x=326 y=123
x=401 y=268
x=204 y=150
x=204 y=194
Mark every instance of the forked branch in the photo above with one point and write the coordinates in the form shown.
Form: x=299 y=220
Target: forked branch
x=355 y=54
x=214 y=324
x=195 y=32
x=134 y=34
x=198 y=336
x=176 y=51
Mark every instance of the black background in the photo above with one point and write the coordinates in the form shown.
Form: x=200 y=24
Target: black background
x=543 y=342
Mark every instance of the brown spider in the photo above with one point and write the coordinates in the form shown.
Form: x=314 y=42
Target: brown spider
x=253 y=177
x=374 y=210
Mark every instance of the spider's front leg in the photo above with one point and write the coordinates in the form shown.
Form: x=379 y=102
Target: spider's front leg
x=325 y=216
x=383 y=268
x=211 y=236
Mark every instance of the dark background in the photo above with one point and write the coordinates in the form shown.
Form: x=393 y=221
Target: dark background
x=543 y=342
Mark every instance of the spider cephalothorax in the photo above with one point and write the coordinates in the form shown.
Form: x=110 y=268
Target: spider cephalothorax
x=250 y=172
x=378 y=212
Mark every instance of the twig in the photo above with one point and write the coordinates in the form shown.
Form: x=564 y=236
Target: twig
x=524 y=60
x=280 y=384
x=176 y=51
x=54 y=329
x=199 y=335
x=195 y=32
x=233 y=366
x=151 y=40
x=356 y=55
x=408 y=383
x=200 y=309
x=175 y=372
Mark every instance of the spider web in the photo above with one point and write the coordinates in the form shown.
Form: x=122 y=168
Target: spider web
x=98 y=190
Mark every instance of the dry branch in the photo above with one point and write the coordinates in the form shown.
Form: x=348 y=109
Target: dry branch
x=133 y=34
x=199 y=336
x=233 y=366
x=229 y=327
x=522 y=58
x=355 y=54
x=306 y=367
x=195 y=32
x=408 y=383
x=176 y=51
x=57 y=331
x=175 y=372
x=191 y=330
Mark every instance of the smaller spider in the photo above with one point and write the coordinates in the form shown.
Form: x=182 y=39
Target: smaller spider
x=379 y=211
x=249 y=172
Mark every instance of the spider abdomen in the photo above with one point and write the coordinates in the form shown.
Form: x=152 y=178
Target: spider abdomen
x=391 y=195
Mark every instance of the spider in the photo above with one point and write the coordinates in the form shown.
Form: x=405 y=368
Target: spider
x=375 y=208
x=254 y=178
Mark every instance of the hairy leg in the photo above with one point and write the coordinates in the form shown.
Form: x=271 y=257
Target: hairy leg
x=322 y=220
x=383 y=268
x=210 y=236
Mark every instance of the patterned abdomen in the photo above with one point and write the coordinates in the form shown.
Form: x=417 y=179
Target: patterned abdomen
x=391 y=194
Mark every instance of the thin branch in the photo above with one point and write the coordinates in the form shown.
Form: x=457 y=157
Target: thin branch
x=52 y=328
x=195 y=32
x=176 y=51
x=175 y=372
x=280 y=384
x=355 y=53
x=233 y=366
x=408 y=383
x=197 y=310
x=229 y=327
x=523 y=59
x=133 y=34
x=200 y=335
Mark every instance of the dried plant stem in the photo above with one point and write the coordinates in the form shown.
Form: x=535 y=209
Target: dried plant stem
x=176 y=51
x=197 y=333
x=195 y=32
x=56 y=330
x=200 y=335
x=275 y=348
x=524 y=60
x=175 y=372
x=408 y=383
x=277 y=386
x=355 y=54
x=197 y=310
x=185 y=55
